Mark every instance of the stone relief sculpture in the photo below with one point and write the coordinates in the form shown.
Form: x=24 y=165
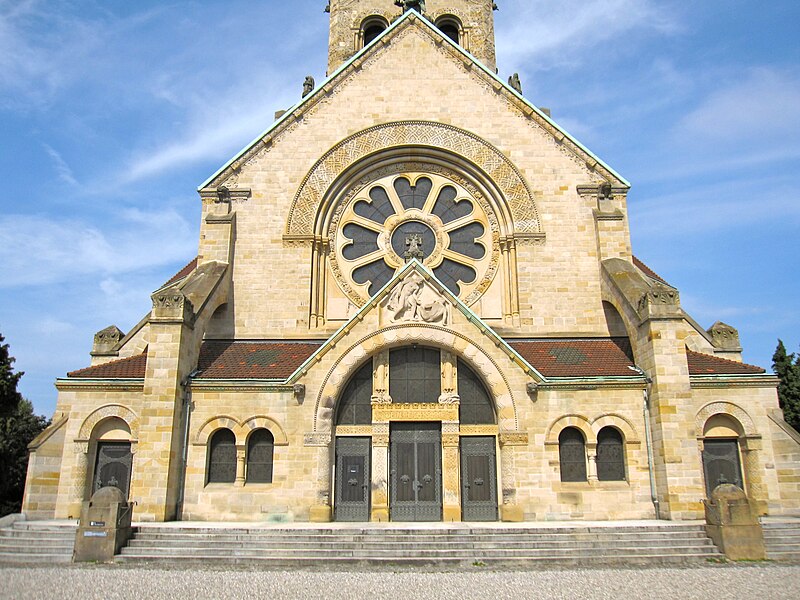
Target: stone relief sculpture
x=411 y=300
x=308 y=85
x=417 y=5
x=515 y=83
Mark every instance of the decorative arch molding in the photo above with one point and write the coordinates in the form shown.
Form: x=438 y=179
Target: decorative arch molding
x=265 y=422
x=572 y=420
x=725 y=408
x=106 y=412
x=314 y=197
x=618 y=422
x=403 y=335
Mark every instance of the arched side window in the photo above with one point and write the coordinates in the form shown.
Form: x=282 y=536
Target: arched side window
x=415 y=374
x=610 y=455
x=260 y=446
x=572 y=455
x=721 y=460
x=450 y=26
x=475 y=407
x=355 y=406
x=372 y=27
x=222 y=457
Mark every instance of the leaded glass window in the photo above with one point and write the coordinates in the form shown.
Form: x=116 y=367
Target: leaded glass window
x=222 y=457
x=427 y=216
x=476 y=406
x=610 y=455
x=260 y=446
x=415 y=374
x=572 y=455
x=355 y=406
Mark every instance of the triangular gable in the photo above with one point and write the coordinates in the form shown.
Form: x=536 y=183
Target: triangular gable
x=411 y=18
x=374 y=302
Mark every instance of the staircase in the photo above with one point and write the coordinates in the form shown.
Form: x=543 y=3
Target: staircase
x=440 y=545
x=782 y=539
x=37 y=542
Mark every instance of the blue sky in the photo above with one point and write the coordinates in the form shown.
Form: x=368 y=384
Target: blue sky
x=112 y=113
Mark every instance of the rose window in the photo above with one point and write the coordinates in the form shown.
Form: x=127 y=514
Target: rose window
x=423 y=216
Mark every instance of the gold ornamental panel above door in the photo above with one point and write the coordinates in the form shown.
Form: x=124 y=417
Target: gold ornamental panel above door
x=413 y=212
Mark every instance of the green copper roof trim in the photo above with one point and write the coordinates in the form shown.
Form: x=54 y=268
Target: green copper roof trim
x=409 y=15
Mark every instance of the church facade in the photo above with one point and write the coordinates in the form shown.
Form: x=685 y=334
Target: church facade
x=415 y=298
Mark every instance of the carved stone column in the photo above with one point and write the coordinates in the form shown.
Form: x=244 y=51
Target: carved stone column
x=591 y=452
x=751 y=447
x=321 y=512
x=451 y=479
x=510 y=511
x=239 y=467
x=380 y=472
x=79 y=479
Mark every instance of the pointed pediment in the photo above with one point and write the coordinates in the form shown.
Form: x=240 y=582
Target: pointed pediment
x=445 y=49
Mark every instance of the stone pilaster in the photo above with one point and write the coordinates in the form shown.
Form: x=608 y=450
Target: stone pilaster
x=451 y=479
x=380 y=471
x=510 y=511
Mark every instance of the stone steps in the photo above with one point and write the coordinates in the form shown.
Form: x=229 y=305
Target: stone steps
x=461 y=545
x=782 y=540
x=33 y=542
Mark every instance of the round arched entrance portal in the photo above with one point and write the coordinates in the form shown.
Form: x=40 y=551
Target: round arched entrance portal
x=416 y=437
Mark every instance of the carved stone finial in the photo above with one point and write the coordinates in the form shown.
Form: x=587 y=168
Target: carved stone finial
x=414 y=247
x=106 y=339
x=417 y=5
x=515 y=83
x=725 y=337
x=308 y=85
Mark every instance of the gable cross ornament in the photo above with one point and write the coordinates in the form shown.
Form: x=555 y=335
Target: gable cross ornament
x=417 y=5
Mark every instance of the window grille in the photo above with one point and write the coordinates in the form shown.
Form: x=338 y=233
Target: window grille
x=572 y=455
x=222 y=457
x=355 y=406
x=260 y=448
x=476 y=405
x=610 y=455
x=415 y=375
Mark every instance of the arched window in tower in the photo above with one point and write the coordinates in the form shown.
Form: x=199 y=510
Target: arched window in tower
x=572 y=455
x=355 y=406
x=610 y=455
x=260 y=446
x=371 y=28
x=222 y=457
x=450 y=26
x=475 y=407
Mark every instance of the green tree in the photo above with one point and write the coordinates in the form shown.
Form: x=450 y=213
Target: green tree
x=9 y=396
x=787 y=368
x=16 y=432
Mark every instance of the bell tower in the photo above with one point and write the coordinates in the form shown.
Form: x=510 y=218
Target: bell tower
x=355 y=23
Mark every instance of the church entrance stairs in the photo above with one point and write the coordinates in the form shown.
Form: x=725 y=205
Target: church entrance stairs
x=437 y=544
x=782 y=538
x=37 y=542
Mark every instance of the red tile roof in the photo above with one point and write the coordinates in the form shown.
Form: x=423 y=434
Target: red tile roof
x=648 y=271
x=602 y=357
x=124 y=368
x=252 y=360
x=706 y=364
x=183 y=272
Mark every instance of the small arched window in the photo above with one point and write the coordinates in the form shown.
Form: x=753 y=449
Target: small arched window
x=610 y=455
x=450 y=26
x=372 y=27
x=475 y=407
x=222 y=457
x=260 y=447
x=572 y=455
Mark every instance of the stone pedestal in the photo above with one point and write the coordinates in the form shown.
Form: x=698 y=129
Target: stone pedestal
x=733 y=525
x=105 y=526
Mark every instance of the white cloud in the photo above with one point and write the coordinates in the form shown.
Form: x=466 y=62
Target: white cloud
x=39 y=250
x=549 y=34
x=62 y=168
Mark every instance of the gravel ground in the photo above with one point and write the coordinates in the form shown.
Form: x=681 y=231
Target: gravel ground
x=122 y=582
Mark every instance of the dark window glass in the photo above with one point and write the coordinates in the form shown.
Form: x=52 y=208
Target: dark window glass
x=610 y=455
x=379 y=209
x=372 y=31
x=450 y=273
x=364 y=241
x=476 y=405
x=572 y=455
x=415 y=375
x=446 y=207
x=260 y=447
x=377 y=273
x=462 y=240
x=355 y=406
x=113 y=466
x=413 y=196
x=222 y=457
x=450 y=29
x=721 y=463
